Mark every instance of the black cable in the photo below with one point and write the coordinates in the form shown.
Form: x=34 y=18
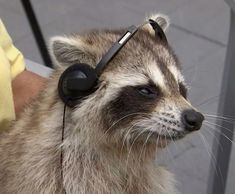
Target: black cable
x=61 y=153
x=37 y=32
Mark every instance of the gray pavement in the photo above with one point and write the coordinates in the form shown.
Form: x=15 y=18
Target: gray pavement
x=198 y=34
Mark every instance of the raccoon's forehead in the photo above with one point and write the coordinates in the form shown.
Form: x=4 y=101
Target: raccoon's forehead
x=141 y=60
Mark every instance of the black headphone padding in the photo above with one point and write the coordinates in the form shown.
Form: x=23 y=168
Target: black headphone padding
x=76 y=82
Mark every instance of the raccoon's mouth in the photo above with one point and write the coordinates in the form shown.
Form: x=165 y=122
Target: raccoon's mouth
x=173 y=137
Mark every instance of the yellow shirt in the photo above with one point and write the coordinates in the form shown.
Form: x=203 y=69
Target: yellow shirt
x=11 y=64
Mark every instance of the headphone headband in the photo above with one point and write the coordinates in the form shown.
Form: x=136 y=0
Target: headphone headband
x=117 y=46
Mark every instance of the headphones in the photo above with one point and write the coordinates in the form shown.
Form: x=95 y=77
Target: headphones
x=79 y=80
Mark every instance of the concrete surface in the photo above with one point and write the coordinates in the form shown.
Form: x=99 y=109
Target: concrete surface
x=198 y=34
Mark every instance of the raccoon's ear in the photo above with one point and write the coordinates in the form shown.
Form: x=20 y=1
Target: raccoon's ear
x=67 y=51
x=162 y=21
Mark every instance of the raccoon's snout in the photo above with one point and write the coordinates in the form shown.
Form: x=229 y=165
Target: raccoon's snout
x=192 y=120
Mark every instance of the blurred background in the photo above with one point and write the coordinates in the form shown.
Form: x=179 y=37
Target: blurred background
x=198 y=33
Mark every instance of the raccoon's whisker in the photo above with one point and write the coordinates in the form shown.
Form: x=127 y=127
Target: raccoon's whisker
x=158 y=138
x=172 y=158
x=216 y=139
x=220 y=116
x=170 y=154
x=211 y=155
x=170 y=136
x=126 y=135
x=222 y=134
x=208 y=100
x=129 y=130
x=144 y=145
x=116 y=122
x=168 y=150
x=143 y=149
x=224 y=120
x=124 y=117
x=139 y=133
x=217 y=125
x=128 y=155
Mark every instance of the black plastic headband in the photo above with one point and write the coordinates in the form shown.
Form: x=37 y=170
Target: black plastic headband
x=123 y=40
x=115 y=49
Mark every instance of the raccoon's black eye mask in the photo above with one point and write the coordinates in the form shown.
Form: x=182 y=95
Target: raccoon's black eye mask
x=79 y=80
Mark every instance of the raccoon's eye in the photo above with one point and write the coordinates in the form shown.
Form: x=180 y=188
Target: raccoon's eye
x=147 y=91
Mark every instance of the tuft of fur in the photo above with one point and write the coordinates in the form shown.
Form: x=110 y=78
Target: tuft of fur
x=112 y=136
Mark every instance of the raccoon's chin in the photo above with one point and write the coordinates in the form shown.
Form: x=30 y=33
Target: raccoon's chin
x=154 y=138
x=162 y=140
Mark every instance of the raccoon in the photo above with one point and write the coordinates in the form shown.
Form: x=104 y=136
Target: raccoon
x=112 y=136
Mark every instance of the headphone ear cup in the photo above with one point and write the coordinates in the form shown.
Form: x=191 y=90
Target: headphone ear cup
x=76 y=82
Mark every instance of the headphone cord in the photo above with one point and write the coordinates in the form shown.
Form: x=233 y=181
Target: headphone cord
x=61 y=153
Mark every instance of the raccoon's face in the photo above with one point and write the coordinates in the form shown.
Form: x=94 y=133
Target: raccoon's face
x=141 y=95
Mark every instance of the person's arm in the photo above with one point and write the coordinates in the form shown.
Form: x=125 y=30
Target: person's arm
x=26 y=87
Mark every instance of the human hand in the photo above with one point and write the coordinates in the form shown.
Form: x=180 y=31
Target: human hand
x=26 y=86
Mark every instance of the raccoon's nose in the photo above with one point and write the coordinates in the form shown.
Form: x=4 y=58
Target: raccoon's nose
x=192 y=120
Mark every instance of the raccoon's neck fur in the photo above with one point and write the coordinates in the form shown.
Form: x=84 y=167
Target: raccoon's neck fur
x=104 y=169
